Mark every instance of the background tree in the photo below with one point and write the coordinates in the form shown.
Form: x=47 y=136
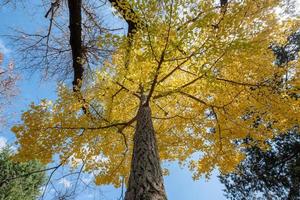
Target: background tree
x=289 y=51
x=72 y=26
x=8 y=78
x=272 y=174
x=60 y=52
x=199 y=72
x=17 y=179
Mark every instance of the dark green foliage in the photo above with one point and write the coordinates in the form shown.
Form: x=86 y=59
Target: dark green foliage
x=272 y=174
x=18 y=181
x=267 y=175
x=289 y=51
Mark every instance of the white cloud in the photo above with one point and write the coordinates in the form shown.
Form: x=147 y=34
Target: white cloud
x=3 y=142
x=3 y=48
x=65 y=182
x=298 y=7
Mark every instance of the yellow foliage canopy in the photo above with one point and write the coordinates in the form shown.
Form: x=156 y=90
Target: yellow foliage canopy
x=208 y=75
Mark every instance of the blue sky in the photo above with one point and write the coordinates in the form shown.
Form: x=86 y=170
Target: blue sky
x=179 y=184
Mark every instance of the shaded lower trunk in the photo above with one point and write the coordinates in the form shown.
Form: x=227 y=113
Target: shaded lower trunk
x=146 y=180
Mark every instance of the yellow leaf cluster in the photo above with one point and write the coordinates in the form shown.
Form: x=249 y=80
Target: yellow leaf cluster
x=209 y=77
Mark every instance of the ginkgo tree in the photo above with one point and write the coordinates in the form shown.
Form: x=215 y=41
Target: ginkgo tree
x=195 y=78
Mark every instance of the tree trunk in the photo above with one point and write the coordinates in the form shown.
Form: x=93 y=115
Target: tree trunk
x=146 y=180
x=294 y=192
x=126 y=11
x=75 y=26
x=75 y=18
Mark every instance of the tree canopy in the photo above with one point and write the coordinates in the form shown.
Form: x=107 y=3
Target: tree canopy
x=17 y=180
x=271 y=174
x=207 y=74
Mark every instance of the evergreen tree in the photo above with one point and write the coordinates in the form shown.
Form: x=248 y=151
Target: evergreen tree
x=272 y=174
x=19 y=181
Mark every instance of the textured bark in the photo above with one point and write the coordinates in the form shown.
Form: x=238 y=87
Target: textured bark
x=75 y=18
x=146 y=180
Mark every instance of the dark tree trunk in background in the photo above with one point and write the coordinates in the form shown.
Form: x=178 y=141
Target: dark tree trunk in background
x=295 y=189
x=75 y=17
x=223 y=2
x=75 y=26
x=132 y=25
x=146 y=179
x=294 y=192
